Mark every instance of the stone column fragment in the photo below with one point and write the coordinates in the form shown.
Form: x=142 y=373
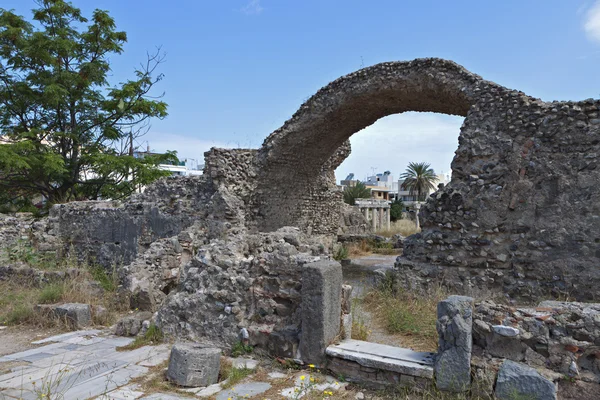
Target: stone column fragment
x=453 y=361
x=321 y=309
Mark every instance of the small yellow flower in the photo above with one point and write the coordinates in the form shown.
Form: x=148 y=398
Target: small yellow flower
x=229 y=398
x=302 y=377
x=337 y=383
x=311 y=365
x=312 y=379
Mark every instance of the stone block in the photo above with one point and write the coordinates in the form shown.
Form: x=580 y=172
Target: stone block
x=321 y=309
x=518 y=381
x=132 y=325
x=77 y=314
x=347 y=325
x=194 y=365
x=454 y=326
x=346 y=295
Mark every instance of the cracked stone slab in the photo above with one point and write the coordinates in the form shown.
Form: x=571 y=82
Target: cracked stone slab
x=244 y=390
x=388 y=358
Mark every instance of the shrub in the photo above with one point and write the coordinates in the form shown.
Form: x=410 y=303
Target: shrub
x=51 y=293
x=239 y=349
x=341 y=253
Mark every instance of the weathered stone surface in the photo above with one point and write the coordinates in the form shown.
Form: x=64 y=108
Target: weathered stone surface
x=77 y=314
x=193 y=365
x=250 y=281
x=561 y=336
x=321 y=309
x=453 y=362
x=518 y=381
x=131 y=325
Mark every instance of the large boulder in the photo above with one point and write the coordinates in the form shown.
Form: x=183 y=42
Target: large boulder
x=518 y=381
x=76 y=314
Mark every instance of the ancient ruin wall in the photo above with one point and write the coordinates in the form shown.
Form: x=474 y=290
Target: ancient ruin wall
x=522 y=212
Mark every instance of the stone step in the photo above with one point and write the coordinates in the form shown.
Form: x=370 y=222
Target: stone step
x=384 y=357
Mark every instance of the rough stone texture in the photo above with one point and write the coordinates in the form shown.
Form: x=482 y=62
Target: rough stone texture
x=518 y=381
x=454 y=326
x=251 y=281
x=520 y=215
x=193 y=365
x=321 y=309
x=374 y=378
x=79 y=315
x=353 y=221
x=560 y=336
x=132 y=325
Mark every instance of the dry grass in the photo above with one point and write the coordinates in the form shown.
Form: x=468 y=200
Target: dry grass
x=152 y=337
x=19 y=298
x=403 y=227
x=155 y=381
x=231 y=376
x=409 y=315
x=360 y=249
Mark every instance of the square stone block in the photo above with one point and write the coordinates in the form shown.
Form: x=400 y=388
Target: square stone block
x=194 y=365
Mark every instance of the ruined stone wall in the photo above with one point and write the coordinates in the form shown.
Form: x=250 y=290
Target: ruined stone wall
x=113 y=233
x=563 y=337
x=522 y=213
x=250 y=281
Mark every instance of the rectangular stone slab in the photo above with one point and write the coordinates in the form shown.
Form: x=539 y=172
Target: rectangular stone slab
x=388 y=358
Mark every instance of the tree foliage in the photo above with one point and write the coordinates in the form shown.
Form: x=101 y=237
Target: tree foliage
x=358 y=191
x=419 y=179
x=396 y=209
x=65 y=132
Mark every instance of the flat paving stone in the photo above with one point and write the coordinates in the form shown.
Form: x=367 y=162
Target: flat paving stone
x=66 y=336
x=124 y=393
x=387 y=358
x=209 y=390
x=241 y=362
x=163 y=396
x=277 y=375
x=245 y=389
x=81 y=365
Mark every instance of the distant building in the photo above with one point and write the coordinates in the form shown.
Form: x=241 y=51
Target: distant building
x=409 y=199
x=186 y=167
x=349 y=181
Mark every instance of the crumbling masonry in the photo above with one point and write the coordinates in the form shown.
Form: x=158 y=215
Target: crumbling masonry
x=225 y=251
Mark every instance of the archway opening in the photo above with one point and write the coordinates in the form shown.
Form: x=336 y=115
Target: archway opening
x=382 y=152
x=302 y=155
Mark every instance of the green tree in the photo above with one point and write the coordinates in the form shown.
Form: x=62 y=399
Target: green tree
x=396 y=209
x=65 y=131
x=358 y=191
x=419 y=179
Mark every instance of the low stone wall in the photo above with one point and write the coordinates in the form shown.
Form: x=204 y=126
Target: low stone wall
x=561 y=336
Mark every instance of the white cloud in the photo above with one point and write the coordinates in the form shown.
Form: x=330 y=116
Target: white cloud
x=252 y=8
x=591 y=24
x=392 y=142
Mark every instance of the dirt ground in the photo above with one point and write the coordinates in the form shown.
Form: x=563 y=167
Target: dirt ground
x=14 y=339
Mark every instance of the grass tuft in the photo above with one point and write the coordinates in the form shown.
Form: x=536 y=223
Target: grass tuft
x=51 y=293
x=403 y=227
x=153 y=336
x=412 y=316
x=229 y=375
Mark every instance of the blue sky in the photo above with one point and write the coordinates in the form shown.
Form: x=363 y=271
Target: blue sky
x=237 y=69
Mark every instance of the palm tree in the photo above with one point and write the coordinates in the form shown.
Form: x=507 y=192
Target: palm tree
x=358 y=191
x=419 y=178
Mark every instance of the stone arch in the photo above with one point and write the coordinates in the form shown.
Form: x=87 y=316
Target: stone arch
x=296 y=162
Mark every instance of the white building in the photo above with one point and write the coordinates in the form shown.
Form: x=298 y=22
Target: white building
x=409 y=199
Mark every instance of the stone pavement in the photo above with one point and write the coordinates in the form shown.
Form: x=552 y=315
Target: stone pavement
x=78 y=365
x=86 y=365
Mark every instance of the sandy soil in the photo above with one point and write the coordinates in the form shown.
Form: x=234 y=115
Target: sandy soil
x=14 y=339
